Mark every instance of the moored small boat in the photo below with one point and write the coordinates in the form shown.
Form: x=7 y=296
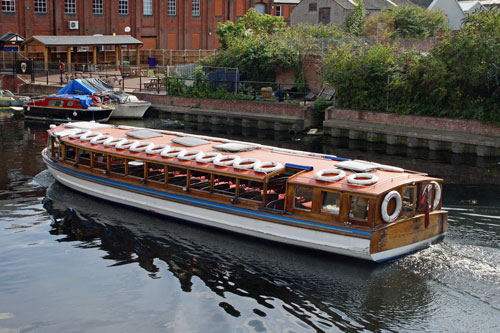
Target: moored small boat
x=350 y=207
x=64 y=108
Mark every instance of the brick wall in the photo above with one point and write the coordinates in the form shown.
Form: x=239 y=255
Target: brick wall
x=438 y=124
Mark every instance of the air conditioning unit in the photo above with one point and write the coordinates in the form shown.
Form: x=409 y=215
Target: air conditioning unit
x=73 y=25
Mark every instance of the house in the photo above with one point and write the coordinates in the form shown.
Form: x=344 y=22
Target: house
x=284 y=8
x=452 y=10
x=336 y=11
x=470 y=7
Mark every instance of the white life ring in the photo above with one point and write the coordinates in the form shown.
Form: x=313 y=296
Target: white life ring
x=78 y=133
x=207 y=157
x=383 y=208
x=156 y=149
x=141 y=146
x=389 y=168
x=437 y=194
x=171 y=152
x=370 y=179
x=339 y=174
x=91 y=135
x=125 y=144
x=99 y=140
x=226 y=160
x=188 y=155
x=267 y=167
x=246 y=163
x=111 y=142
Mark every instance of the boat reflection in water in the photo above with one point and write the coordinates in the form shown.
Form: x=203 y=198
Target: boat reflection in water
x=255 y=281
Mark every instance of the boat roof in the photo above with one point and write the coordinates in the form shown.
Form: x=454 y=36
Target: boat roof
x=307 y=163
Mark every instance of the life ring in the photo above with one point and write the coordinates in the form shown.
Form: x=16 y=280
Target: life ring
x=226 y=160
x=383 y=208
x=99 y=140
x=140 y=146
x=171 y=152
x=437 y=194
x=91 y=135
x=111 y=142
x=370 y=179
x=390 y=168
x=339 y=174
x=188 y=155
x=125 y=144
x=156 y=149
x=207 y=157
x=267 y=167
x=78 y=133
x=61 y=66
x=246 y=163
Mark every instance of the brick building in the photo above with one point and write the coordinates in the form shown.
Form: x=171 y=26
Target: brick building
x=159 y=24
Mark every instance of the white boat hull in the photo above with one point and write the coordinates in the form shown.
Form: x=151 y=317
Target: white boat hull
x=134 y=110
x=228 y=217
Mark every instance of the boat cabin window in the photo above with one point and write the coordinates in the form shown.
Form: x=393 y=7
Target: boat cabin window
x=135 y=169
x=70 y=103
x=117 y=165
x=100 y=161
x=177 y=176
x=70 y=153
x=200 y=181
x=156 y=172
x=83 y=157
x=330 y=203
x=224 y=185
x=250 y=190
x=359 y=208
x=409 y=200
x=303 y=198
x=55 y=102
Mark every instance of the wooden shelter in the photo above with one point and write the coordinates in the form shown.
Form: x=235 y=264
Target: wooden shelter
x=69 y=42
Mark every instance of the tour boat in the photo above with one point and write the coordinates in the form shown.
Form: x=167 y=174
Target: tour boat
x=65 y=107
x=350 y=207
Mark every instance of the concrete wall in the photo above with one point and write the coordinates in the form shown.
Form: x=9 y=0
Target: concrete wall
x=452 y=10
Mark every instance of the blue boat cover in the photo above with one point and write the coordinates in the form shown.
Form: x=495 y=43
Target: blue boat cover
x=85 y=87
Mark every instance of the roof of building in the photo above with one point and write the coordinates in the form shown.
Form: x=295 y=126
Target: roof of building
x=468 y=5
x=11 y=37
x=84 y=40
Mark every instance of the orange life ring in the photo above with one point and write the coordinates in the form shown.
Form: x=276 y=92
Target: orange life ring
x=61 y=66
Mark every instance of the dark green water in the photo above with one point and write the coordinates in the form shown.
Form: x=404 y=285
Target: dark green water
x=71 y=263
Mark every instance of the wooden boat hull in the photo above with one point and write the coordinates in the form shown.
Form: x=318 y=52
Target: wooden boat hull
x=261 y=224
x=66 y=114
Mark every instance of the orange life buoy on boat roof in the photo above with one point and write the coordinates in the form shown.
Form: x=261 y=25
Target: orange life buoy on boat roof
x=61 y=66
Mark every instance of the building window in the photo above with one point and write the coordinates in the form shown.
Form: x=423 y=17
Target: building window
x=70 y=6
x=123 y=7
x=97 y=7
x=172 y=7
x=195 y=7
x=8 y=5
x=40 y=6
x=279 y=11
x=313 y=7
x=147 y=7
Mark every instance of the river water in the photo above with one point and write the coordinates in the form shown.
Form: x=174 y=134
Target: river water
x=71 y=263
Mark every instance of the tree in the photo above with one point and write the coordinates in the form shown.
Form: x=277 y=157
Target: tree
x=354 y=22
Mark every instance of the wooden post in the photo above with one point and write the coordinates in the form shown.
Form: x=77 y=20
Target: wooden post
x=117 y=56
x=138 y=55
x=94 y=56
x=68 y=56
x=46 y=58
